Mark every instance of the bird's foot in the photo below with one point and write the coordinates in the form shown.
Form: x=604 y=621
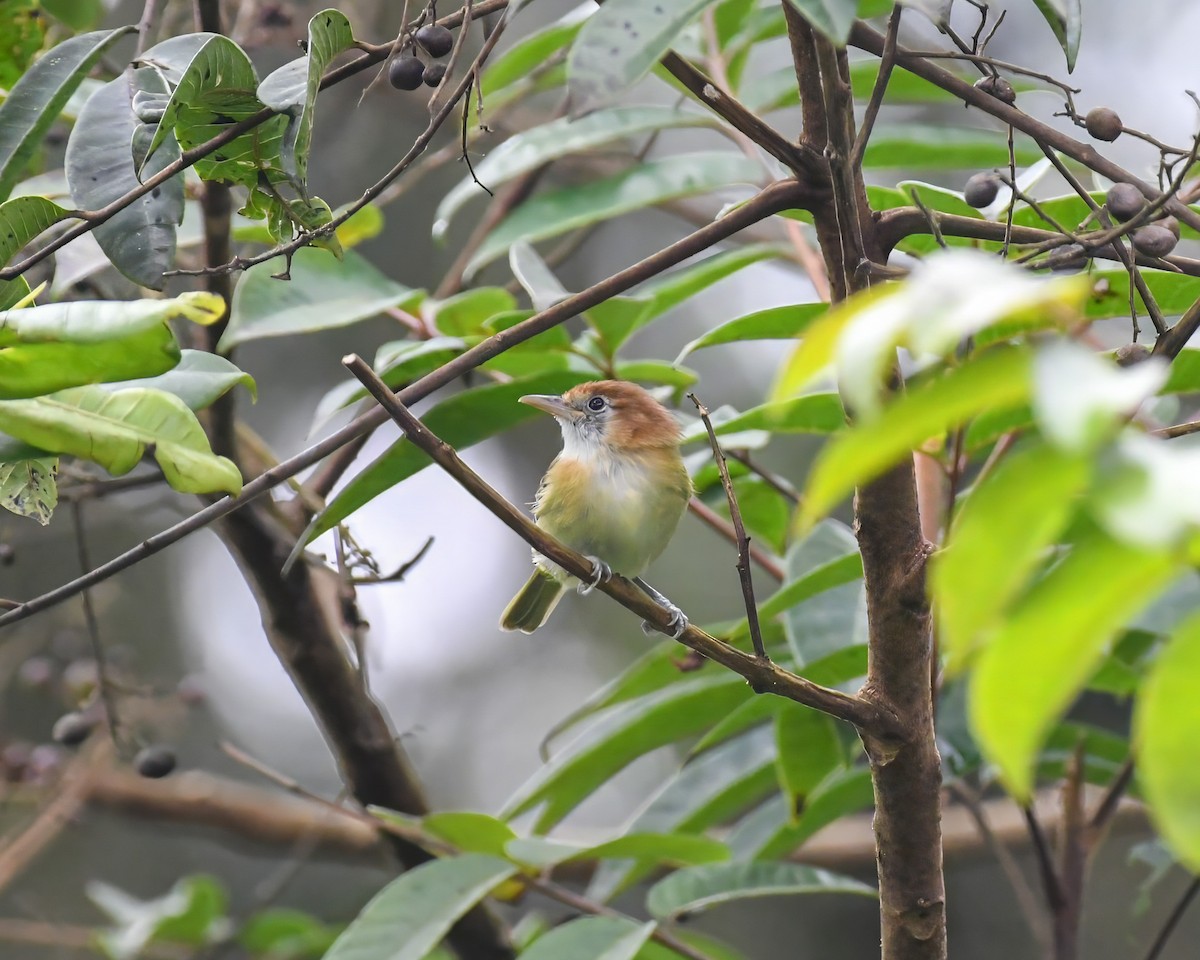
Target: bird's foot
x=601 y=573
x=678 y=622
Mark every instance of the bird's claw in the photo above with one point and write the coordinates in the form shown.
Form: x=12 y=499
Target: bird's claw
x=678 y=623
x=601 y=573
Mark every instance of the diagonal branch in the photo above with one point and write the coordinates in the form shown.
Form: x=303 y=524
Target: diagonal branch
x=762 y=675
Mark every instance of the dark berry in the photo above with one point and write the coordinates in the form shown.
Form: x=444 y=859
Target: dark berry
x=981 y=189
x=1124 y=201
x=436 y=39
x=1067 y=259
x=71 y=729
x=1131 y=353
x=1154 y=241
x=1171 y=224
x=998 y=87
x=1103 y=123
x=154 y=762
x=405 y=73
x=434 y=73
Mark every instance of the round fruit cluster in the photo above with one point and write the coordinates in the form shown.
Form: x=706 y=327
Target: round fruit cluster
x=408 y=72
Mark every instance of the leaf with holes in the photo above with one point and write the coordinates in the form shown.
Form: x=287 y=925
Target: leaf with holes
x=29 y=488
x=22 y=219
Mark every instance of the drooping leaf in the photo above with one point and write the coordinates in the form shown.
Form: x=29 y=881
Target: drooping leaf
x=198 y=379
x=558 y=211
x=115 y=429
x=292 y=89
x=618 y=45
x=140 y=239
x=322 y=294
x=22 y=219
x=808 y=750
x=695 y=889
x=774 y=323
x=36 y=100
x=411 y=915
x=531 y=52
x=29 y=488
x=1066 y=20
x=591 y=938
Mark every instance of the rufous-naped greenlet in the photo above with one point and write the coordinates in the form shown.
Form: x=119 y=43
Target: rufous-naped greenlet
x=615 y=494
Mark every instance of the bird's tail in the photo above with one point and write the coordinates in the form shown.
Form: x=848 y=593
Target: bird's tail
x=531 y=607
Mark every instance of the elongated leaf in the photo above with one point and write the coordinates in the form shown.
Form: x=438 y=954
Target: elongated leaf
x=322 y=294
x=559 y=138
x=292 y=89
x=1066 y=20
x=833 y=18
x=550 y=214
x=997 y=379
x=698 y=888
x=1050 y=644
x=808 y=751
x=198 y=379
x=774 y=323
x=461 y=420
x=59 y=345
x=618 y=45
x=411 y=915
x=823 y=602
x=650 y=848
x=999 y=537
x=812 y=413
x=140 y=239
x=22 y=219
x=1166 y=727
x=914 y=147
x=115 y=429
x=625 y=733
x=591 y=938
x=28 y=488
x=470 y=832
x=36 y=100
x=533 y=51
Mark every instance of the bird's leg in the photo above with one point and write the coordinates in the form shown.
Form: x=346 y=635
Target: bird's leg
x=679 y=621
x=601 y=573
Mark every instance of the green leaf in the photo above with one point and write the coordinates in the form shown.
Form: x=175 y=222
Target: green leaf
x=470 y=832
x=645 y=848
x=942 y=148
x=292 y=89
x=1051 y=643
x=411 y=915
x=461 y=420
x=618 y=45
x=673 y=288
x=29 y=488
x=1109 y=297
x=531 y=148
x=695 y=889
x=1166 y=727
x=115 y=429
x=553 y=213
x=903 y=87
x=1000 y=536
x=59 y=345
x=708 y=790
x=765 y=511
x=808 y=750
x=710 y=947
x=22 y=219
x=998 y=378
x=37 y=99
x=198 y=379
x=140 y=239
x=623 y=734
x=192 y=912
x=591 y=938
x=465 y=313
x=1066 y=20
x=823 y=601
x=322 y=294
x=533 y=51
x=774 y=323
x=812 y=413
x=24 y=32
x=286 y=934
x=76 y=14
x=833 y=18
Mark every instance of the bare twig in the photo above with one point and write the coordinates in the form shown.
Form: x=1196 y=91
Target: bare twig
x=146 y=25
x=739 y=529
x=1049 y=873
x=886 y=62
x=1172 y=921
x=103 y=680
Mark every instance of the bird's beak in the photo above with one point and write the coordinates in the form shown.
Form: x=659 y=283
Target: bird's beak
x=548 y=403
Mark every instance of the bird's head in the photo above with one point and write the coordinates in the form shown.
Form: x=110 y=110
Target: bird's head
x=609 y=413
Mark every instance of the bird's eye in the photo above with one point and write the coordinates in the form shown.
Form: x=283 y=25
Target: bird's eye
x=596 y=404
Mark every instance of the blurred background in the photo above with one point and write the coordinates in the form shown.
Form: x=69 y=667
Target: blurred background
x=470 y=703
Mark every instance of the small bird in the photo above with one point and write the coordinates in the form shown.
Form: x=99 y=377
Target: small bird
x=615 y=494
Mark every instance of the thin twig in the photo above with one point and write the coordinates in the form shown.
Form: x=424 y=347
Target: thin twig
x=1172 y=921
x=714 y=521
x=1106 y=809
x=1049 y=873
x=103 y=681
x=763 y=675
x=886 y=62
x=146 y=24
x=774 y=480
x=1178 y=430
x=739 y=529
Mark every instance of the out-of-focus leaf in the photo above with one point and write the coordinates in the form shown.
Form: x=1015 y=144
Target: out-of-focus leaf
x=533 y=51
x=531 y=148
x=808 y=750
x=115 y=429
x=323 y=293
x=292 y=89
x=914 y=147
x=59 y=345
x=765 y=511
x=1042 y=655
x=36 y=100
x=465 y=313
x=29 y=488
x=140 y=239
x=1066 y=20
x=76 y=14
x=470 y=832
x=551 y=214
x=812 y=413
x=903 y=87
x=411 y=915
x=649 y=848
x=461 y=420
x=1000 y=535
x=618 y=45
x=286 y=934
x=833 y=18
x=591 y=938
x=625 y=733
x=709 y=946
x=694 y=889
x=774 y=323
x=192 y=912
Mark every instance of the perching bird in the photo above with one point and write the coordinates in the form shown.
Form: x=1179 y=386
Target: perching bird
x=615 y=494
